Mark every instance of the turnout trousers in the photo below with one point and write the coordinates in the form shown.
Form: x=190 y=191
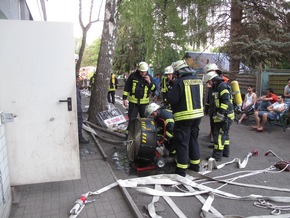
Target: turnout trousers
x=221 y=137
x=134 y=110
x=185 y=139
x=111 y=97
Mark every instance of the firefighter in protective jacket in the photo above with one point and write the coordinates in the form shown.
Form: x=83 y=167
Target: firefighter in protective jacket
x=136 y=92
x=223 y=114
x=186 y=99
x=167 y=80
x=165 y=124
x=112 y=88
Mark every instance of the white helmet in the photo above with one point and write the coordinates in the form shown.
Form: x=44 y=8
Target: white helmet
x=211 y=67
x=168 y=70
x=209 y=76
x=151 y=108
x=143 y=66
x=179 y=65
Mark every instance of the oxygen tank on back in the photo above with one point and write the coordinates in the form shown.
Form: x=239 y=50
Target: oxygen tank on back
x=236 y=93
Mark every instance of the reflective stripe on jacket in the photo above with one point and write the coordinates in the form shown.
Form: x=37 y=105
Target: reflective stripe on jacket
x=163 y=84
x=164 y=119
x=186 y=98
x=223 y=100
x=113 y=83
x=137 y=89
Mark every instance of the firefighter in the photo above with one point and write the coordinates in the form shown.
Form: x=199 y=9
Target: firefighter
x=166 y=81
x=223 y=114
x=212 y=68
x=165 y=123
x=92 y=81
x=112 y=88
x=186 y=100
x=136 y=92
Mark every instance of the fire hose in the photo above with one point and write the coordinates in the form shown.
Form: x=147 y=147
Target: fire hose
x=190 y=182
x=91 y=130
x=212 y=164
x=170 y=179
x=82 y=201
x=273 y=153
x=80 y=204
x=105 y=130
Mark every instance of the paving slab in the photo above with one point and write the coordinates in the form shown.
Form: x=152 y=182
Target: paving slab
x=57 y=198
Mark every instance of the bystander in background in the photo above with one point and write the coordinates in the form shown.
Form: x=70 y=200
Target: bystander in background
x=156 y=81
x=80 y=113
x=248 y=104
x=266 y=100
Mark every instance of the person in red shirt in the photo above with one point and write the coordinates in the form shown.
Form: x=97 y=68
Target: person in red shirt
x=267 y=100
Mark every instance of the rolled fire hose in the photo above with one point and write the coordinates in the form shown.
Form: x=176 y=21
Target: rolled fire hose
x=115 y=142
x=105 y=130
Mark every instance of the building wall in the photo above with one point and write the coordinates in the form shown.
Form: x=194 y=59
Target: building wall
x=5 y=190
x=14 y=10
x=11 y=10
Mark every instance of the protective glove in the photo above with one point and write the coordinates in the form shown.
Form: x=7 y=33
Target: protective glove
x=169 y=84
x=220 y=116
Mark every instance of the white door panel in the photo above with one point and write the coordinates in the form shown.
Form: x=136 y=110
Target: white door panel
x=37 y=70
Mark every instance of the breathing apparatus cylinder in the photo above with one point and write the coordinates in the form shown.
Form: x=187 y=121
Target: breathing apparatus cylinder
x=236 y=93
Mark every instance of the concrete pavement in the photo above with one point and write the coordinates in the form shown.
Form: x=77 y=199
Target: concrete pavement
x=57 y=198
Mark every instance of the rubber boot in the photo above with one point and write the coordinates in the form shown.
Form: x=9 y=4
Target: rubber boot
x=217 y=154
x=181 y=172
x=211 y=146
x=194 y=167
x=226 y=152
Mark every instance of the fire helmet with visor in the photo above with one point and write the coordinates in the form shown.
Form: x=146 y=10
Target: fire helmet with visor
x=168 y=70
x=179 y=65
x=209 y=76
x=143 y=66
x=151 y=108
x=211 y=67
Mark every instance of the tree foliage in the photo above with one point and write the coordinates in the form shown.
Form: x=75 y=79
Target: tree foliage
x=149 y=31
x=91 y=54
x=159 y=31
x=259 y=32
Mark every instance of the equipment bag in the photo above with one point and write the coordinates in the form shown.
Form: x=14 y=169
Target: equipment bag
x=283 y=165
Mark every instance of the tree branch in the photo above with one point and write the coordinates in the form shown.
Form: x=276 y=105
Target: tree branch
x=80 y=14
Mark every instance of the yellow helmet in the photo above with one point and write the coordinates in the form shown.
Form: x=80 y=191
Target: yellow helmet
x=143 y=66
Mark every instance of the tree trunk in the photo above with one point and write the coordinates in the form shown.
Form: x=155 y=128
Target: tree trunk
x=98 y=100
x=236 y=23
x=82 y=49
